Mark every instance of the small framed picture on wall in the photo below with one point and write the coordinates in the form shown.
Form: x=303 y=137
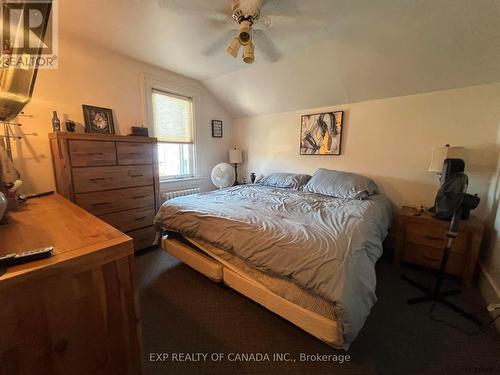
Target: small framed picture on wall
x=216 y=128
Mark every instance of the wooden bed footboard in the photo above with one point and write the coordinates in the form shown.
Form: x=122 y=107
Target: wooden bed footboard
x=325 y=329
x=194 y=259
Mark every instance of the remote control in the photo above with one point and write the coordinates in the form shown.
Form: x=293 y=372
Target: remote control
x=25 y=256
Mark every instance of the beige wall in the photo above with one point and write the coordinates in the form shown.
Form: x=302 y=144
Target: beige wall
x=491 y=257
x=390 y=140
x=91 y=75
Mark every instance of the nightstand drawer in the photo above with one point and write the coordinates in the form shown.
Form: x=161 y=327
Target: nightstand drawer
x=430 y=257
x=435 y=237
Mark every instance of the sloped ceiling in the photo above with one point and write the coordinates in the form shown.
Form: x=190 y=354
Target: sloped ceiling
x=339 y=51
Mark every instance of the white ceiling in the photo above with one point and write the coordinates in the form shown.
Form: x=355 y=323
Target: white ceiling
x=336 y=51
x=177 y=34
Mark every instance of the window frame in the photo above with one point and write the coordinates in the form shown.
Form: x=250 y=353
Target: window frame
x=181 y=176
x=150 y=83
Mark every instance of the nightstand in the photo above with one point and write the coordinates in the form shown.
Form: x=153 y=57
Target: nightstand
x=421 y=239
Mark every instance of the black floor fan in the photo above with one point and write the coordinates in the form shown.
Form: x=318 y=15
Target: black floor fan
x=452 y=203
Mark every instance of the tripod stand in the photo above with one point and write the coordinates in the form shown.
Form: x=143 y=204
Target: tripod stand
x=435 y=294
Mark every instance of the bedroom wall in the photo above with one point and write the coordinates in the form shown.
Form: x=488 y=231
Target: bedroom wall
x=491 y=257
x=89 y=74
x=389 y=140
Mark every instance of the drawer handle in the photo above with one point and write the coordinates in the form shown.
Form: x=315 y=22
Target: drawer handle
x=432 y=258
x=95 y=153
x=433 y=238
x=139 y=196
x=140 y=218
x=135 y=153
x=136 y=175
x=100 y=204
x=97 y=179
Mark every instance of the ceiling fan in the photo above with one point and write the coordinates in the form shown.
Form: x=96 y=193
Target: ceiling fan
x=246 y=14
x=247 y=24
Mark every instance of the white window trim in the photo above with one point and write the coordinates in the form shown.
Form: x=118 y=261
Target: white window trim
x=150 y=82
x=181 y=177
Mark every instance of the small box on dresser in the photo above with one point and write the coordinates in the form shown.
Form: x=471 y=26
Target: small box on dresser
x=113 y=177
x=421 y=240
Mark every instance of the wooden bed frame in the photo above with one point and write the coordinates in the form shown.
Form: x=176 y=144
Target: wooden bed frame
x=219 y=270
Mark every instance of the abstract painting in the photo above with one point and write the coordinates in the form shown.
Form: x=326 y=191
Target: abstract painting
x=321 y=133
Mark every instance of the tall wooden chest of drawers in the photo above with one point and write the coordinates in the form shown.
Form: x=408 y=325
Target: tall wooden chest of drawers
x=113 y=177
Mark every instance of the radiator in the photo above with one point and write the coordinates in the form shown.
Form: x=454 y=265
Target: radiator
x=165 y=196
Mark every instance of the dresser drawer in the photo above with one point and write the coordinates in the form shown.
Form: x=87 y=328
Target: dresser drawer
x=130 y=153
x=126 y=221
x=143 y=238
x=435 y=237
x=106 y=202
x=107 y=178
x=92 y=153
x=430 y=257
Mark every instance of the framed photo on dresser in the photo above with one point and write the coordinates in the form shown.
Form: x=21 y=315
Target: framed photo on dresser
x=98 y=120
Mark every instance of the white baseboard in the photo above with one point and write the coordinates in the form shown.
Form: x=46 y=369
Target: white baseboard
x=489 y=278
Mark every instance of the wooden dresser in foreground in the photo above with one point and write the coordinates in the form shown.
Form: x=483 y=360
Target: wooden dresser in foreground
x=421 y=240
x=73 y=313
x=113 y=177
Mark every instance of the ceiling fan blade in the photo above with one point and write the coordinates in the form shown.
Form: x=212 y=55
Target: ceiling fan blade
x=197 y=6
x=297 y=10
x=279 y=5
x=219 y=44
x=221 y=20
x=295 y=23
x=266 y=45
x=297 y=7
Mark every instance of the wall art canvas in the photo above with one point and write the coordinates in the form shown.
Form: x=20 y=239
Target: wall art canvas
x=321 y=133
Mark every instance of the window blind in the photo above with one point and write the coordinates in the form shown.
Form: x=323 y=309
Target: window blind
x=173 y=117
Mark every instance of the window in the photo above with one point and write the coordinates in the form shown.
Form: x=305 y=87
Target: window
x=173 y=126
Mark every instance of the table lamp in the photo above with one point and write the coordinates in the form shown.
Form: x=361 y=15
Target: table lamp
x=235 y=157
x=440 y=154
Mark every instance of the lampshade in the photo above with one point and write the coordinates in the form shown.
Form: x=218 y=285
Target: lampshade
x=440 y=154
x=235 y=156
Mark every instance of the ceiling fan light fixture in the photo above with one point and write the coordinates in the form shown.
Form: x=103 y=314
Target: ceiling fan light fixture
x=245 y=32
x=248 y=55
x=234 y=47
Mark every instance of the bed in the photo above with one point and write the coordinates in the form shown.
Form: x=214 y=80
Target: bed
x=306 y=256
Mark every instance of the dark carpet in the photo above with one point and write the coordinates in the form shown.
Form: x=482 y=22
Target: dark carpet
x=183 y=312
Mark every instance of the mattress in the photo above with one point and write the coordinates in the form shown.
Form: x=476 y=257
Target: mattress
x=278 y=285
x=323 y=245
